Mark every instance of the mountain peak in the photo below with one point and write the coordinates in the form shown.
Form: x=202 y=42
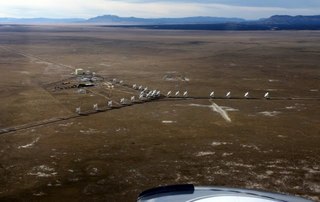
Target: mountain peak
x=287 y=19
x=113 y=19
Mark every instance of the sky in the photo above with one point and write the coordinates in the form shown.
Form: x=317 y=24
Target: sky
x=248 y=9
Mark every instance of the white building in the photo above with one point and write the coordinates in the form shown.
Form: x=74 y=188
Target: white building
x=79 y=71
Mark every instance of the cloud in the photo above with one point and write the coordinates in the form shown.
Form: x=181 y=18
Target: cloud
x=141 y=8
x=251 y=3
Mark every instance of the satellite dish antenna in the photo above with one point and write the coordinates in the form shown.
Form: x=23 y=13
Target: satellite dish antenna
x=168 y=94
x=140 y=96
x=78 y=110
x=185 y=94
x=121 y=82
x=212 y=94
x=158 y=93
x=95 y=107
x=132 y=99
x=153 y=94
x=134 y=86
x=267 y=95
x=228 y=95
x=114 y=80
x=140 y=88
x=246 y=95
x=177 y=93
x=110 y=103
x=122 y=101
x=146 y=88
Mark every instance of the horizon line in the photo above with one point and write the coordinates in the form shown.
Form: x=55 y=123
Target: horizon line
x=54 y=18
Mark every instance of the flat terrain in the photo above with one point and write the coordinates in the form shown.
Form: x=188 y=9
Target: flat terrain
x=261 y=144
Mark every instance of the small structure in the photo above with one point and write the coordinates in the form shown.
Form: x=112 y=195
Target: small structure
x=82 y=85
x=153 y=93
x=185 y=94
x=79 y=71
x=246 y=95
x=78 y=110
x=85 y=79
x=110 y=103
x=82 y=91
x=122 y=101
x=212 y=94
x=228 y=95
x=267 y=95
x=95 y=107
x=94 y=79
x=109 y=85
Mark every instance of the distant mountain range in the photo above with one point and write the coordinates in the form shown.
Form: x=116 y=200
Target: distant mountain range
x=113 y=19
x=277 y=22
x=286 y=19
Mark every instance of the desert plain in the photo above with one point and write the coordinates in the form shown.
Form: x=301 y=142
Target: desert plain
x=57 y=155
